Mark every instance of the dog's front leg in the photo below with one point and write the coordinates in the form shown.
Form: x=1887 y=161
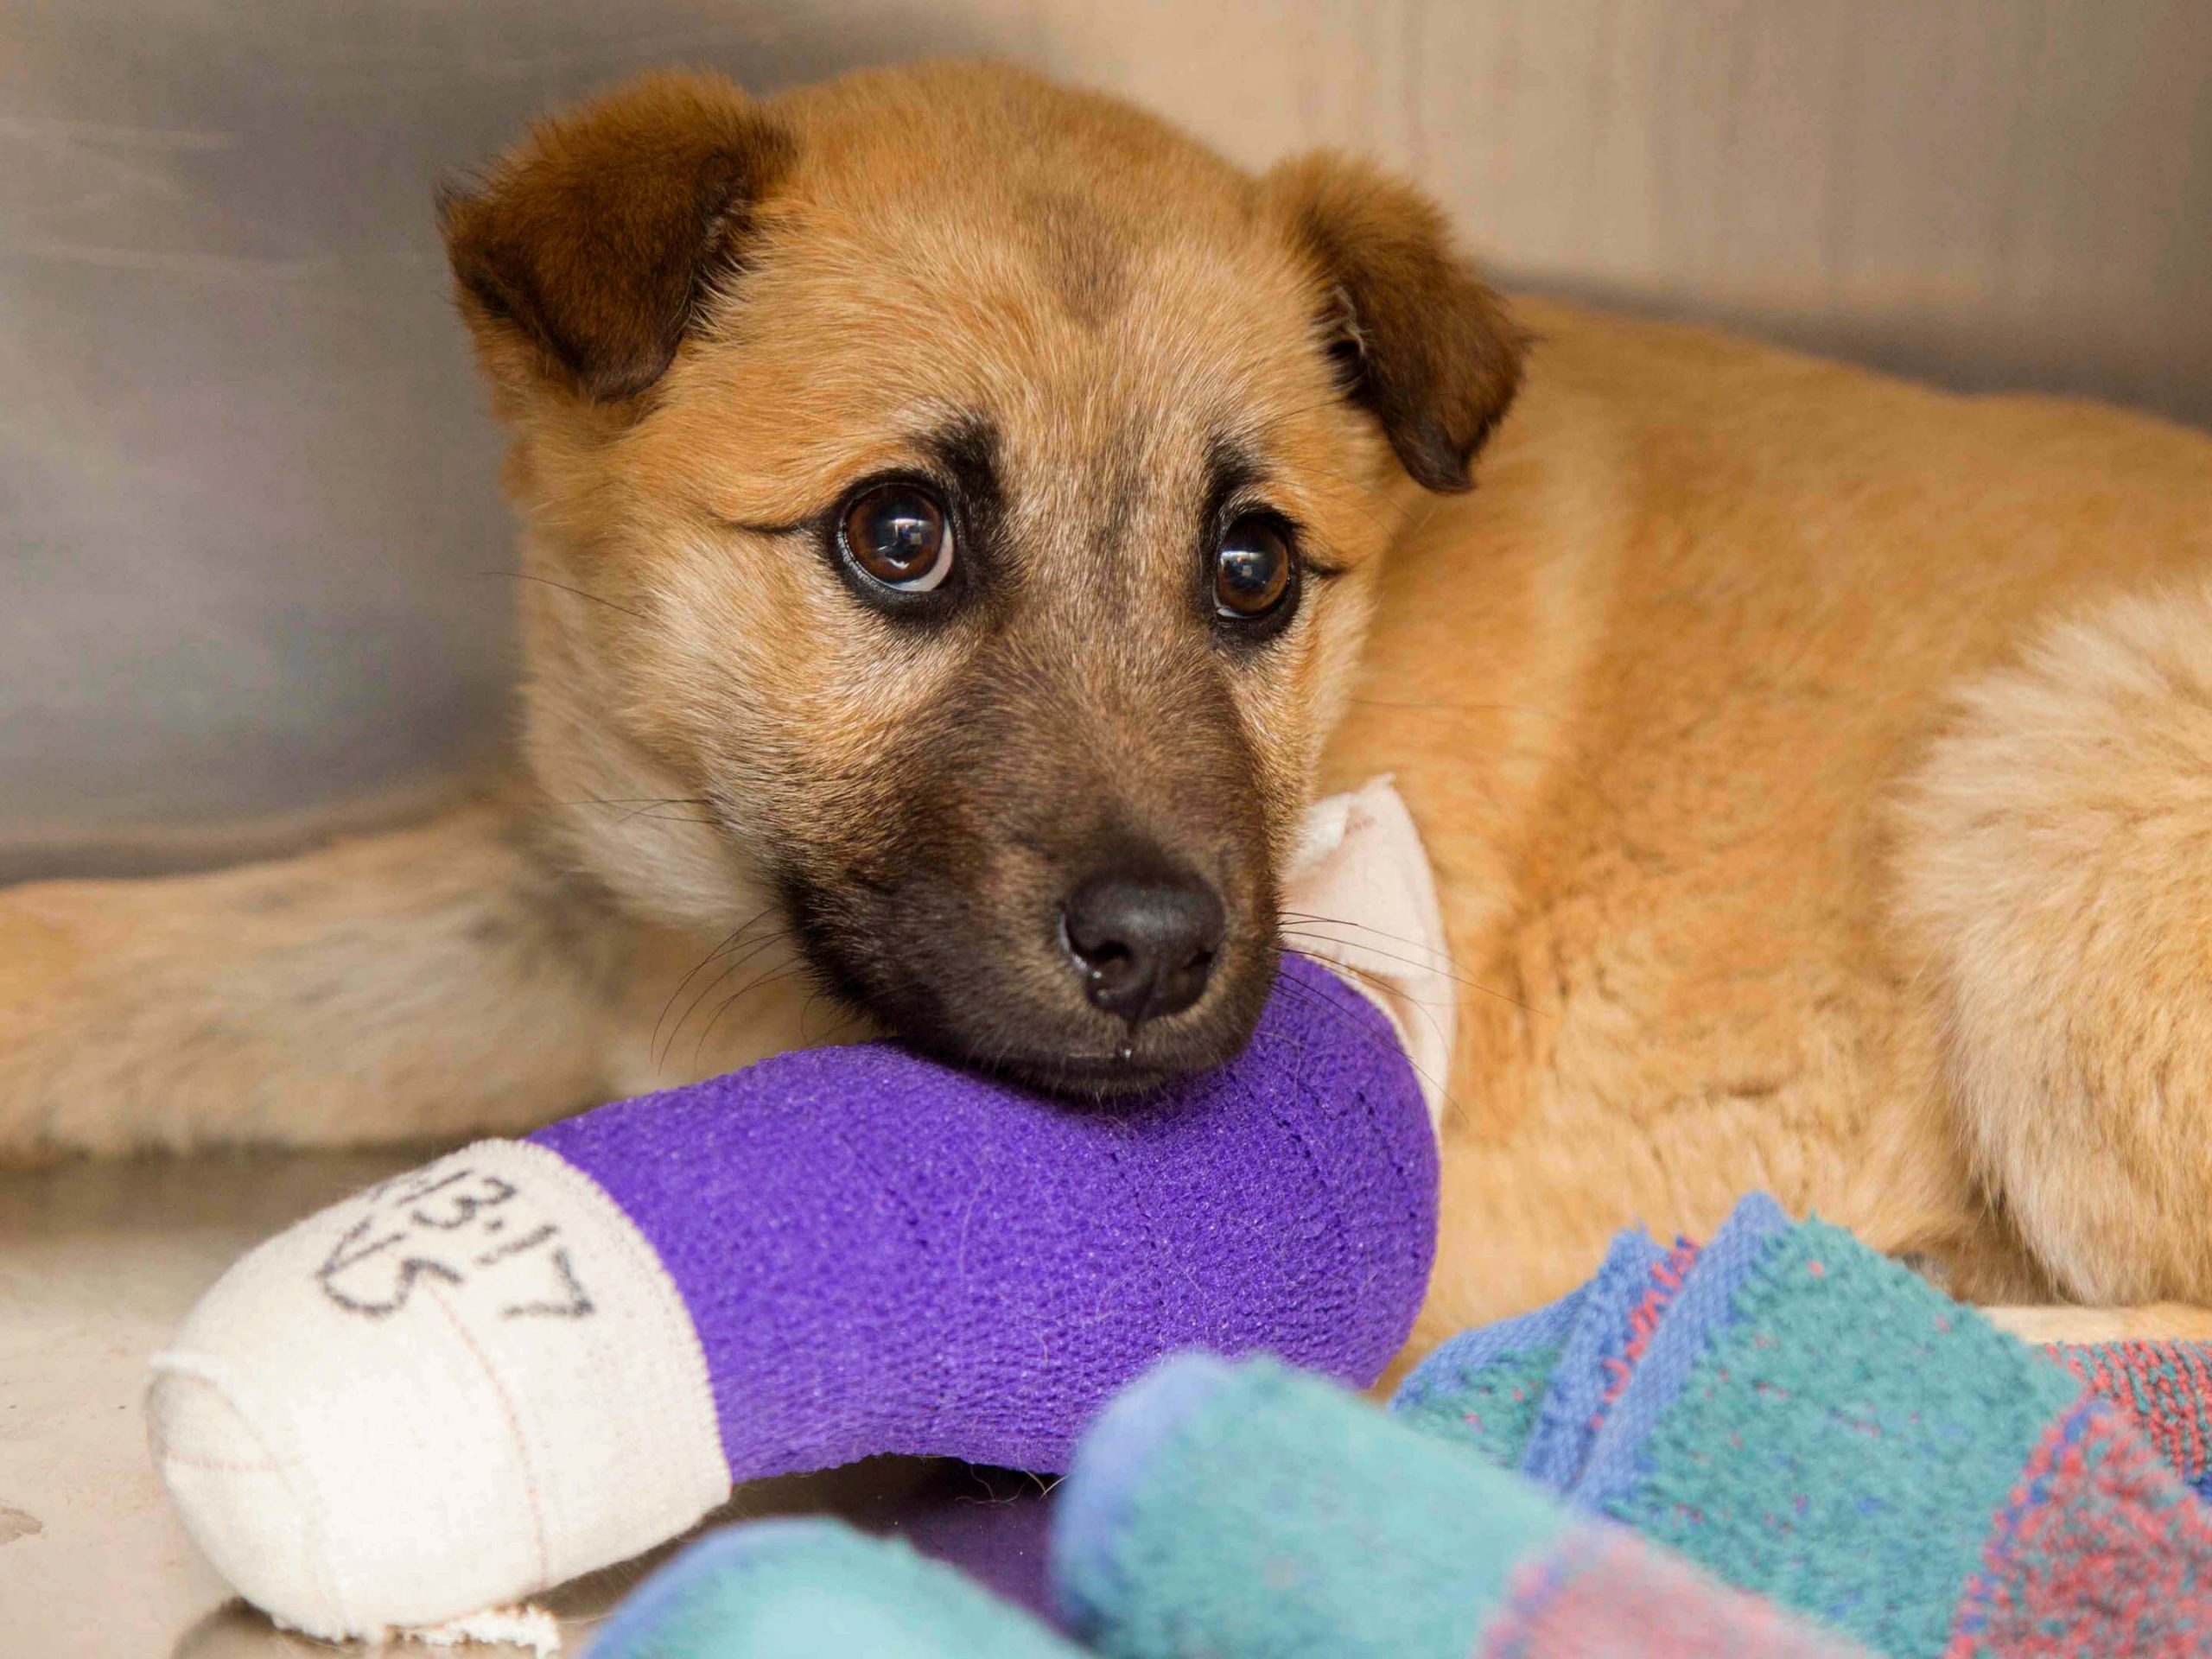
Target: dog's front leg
x=429 y=982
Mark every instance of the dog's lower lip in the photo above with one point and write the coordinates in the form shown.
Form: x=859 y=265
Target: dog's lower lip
x=1112 y=1061
x=1113 y=1070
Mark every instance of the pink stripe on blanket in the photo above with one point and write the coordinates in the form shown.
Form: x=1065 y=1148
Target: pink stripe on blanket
x=2101 y=1550
x=1603 y=1591
x=2165 y=1387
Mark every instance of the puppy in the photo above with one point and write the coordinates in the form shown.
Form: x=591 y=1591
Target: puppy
x=966 y=521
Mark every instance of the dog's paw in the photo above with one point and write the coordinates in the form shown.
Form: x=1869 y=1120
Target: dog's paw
x=50 y=998
x=89 y=1018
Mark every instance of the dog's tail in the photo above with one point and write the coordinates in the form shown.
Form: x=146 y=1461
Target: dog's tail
x=2055 y=876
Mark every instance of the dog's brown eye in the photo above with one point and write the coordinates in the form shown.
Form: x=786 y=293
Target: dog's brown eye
x=1251 y=573
x=899 y=535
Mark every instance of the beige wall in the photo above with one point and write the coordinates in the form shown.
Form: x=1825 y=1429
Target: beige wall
x=1998 y=191
x=247 y=480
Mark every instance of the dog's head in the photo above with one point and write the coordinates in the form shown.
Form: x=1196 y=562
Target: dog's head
x=963 y=496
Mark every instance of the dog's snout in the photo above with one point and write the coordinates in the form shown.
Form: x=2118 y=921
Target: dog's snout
x=1144 y=940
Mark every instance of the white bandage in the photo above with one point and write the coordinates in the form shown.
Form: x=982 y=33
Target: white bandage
x=498 y=1283
x=1360 y=896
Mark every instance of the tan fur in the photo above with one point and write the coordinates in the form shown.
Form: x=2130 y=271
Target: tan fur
x=2060 y=837
x=1814 y=764
x=1652 y=692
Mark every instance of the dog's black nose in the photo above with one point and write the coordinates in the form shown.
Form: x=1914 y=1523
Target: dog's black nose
x=1144 y=941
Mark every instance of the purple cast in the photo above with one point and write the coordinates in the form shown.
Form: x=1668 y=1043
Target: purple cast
x=882 y=1254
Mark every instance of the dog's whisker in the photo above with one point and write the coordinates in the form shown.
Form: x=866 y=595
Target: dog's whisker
x=1314 y=998
x=844 y=1023
x=745 y=951
x=1429 y=962
x=635 y=800
x=806 y=1010
x=777 y=976
x=548 y=582
x=1346 y=1016
x=1315 y=918
x=728 y=940
x=1426 y=966
x=1312 y=921
x=1377 y=983
x=746 y=955
x=1366 y=976
x=643 y=807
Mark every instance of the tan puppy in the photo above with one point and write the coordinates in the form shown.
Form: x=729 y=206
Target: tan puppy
x=968 y=521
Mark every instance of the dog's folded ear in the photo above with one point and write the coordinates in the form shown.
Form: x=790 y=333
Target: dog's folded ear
x=584 y=255
x=1422 y=344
